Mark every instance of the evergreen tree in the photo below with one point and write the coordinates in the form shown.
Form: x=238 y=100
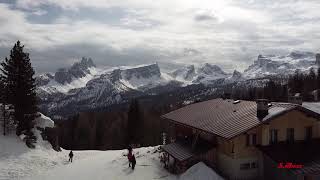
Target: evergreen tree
x=134 y=124
x=311 y=80
x=3 y=110
x=318 y=78
x=17 y=75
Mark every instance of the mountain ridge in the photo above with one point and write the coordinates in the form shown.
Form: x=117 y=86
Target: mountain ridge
x=91 y=87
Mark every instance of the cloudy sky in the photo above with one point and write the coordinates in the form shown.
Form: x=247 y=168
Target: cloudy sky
x=229 y=33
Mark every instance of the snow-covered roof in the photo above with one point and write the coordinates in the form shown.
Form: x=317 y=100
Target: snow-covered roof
x=200 y=171
x=274 y=111
x=312 y=106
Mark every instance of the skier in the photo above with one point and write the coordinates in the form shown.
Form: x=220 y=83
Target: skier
x=130 y=155
x=70 y=156
x=133 y=161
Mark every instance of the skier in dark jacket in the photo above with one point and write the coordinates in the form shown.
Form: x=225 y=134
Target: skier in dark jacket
x=133 y=161
x=70 y=156
x=130 y=155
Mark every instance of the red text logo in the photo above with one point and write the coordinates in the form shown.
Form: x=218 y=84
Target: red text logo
x=289 y=165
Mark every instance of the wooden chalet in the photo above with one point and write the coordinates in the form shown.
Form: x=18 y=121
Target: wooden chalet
x=238 y=138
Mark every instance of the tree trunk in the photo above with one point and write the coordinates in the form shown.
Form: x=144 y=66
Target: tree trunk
x=4 y=118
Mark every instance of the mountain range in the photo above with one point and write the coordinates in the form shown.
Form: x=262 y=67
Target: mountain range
x=84 y=86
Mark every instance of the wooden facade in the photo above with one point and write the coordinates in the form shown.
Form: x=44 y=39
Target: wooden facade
x=239 y=156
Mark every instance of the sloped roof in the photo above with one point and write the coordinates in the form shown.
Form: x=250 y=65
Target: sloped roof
x=178 y=151
x=223 y=117
x=313 y=106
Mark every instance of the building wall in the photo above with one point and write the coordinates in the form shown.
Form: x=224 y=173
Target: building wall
x=234 y=152
x=272 y=172
x=297 y=120
x=230 y=167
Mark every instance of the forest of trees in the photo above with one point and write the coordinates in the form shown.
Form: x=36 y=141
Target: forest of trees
x=18 y=90
x=279 y=90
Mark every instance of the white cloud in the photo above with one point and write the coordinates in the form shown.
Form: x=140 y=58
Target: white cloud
x=219 y=31
x=39 y=12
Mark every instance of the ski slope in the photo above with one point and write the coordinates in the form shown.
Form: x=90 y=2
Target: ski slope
x=17 y=162
x=110 y=165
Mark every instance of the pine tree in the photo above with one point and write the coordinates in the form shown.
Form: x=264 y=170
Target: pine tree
x=318 y=78
x=17 y=75
x=3 y=110
x=134 y=124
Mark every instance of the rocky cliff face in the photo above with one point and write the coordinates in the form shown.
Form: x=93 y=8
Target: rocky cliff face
x=77 y=70
x=266 y=65
x=142 y=72
x=66 y=75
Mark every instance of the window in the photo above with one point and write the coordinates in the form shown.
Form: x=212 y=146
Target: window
x=251 y=139
x=248 y=139
x=254 y=165
x=290 y=135
x=254 y=139
x=273 y=136
x=308 y=133
x=245 y=166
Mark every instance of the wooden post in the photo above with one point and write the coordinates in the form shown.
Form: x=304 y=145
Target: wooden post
x=195 y=140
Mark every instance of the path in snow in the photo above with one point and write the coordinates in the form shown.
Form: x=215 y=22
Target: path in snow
x=110 y=165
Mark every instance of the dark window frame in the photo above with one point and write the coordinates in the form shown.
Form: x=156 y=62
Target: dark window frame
x=248 y=139
x=254 y=139
x=290 y=135
x=254 y=165
x=308 y=133
x=245 y=166
x=273 y=136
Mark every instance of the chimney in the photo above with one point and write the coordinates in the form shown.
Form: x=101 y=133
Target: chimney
x=226 y=96
x=262 y=108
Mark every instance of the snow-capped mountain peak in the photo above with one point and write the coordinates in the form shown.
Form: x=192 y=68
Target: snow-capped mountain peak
x=77 y=70
x=185 y=73
x=142 y=72
x=210 y=69
x=83 y=82
x=280 y=65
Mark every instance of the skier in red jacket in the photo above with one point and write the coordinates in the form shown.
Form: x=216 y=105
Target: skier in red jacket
x=131 y=158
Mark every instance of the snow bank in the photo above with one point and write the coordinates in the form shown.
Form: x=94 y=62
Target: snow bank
x=17 y=161
x=200 y=172
x=43 y=121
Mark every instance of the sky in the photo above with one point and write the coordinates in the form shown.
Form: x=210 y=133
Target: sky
x=228 y=33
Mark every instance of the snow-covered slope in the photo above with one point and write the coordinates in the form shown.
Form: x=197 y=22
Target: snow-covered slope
x=280 y=65
x=17 y=162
